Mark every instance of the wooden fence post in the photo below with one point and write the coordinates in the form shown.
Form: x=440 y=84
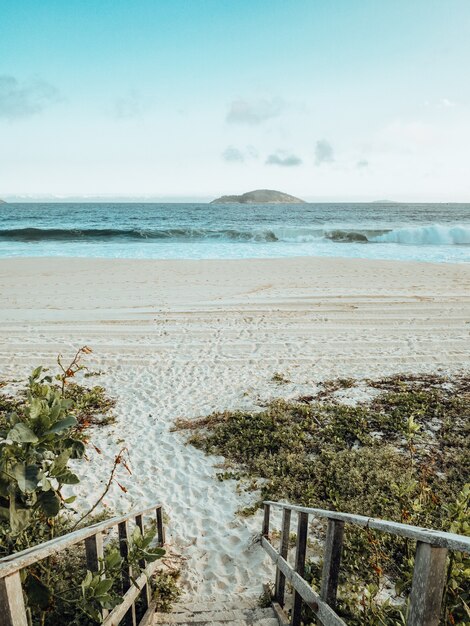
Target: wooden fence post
x=126 y=572
x=280 y=585
x=301 y=549
x=265 y=531
x=160 y=527
x=94 y=552
x=331 y=561
x=13 y=611
x=146 y=596
x=429 y=577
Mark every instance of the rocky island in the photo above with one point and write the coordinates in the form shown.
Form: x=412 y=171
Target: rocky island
x=259 y=196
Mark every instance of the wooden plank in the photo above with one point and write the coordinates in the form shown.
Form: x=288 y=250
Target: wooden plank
x=19 y=560
x=300 y=553
x=324 y=612
x=160 y=526
x=118 y=613
x=265 y=530
x=139 y=521
x=94 y=553
x=434 y=537
x=331 y=561
x=280 y=585
x=126 y=571
x=281 y=616
x=12 y=608
x=429 y=576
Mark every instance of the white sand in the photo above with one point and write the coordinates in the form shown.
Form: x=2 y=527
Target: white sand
x=183 y=338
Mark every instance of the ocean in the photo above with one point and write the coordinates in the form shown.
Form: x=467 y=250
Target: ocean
x=421 y=232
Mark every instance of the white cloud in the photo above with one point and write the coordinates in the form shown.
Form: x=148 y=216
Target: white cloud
x=233 y=155
x=236 y=155
x=254 y=112
x=323 y=152
x=19 y=100
x=284 y=160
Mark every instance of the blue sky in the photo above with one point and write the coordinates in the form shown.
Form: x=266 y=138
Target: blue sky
x=327 y=100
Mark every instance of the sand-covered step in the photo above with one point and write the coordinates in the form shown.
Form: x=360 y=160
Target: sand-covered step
x=212 y=613
x=233 y=609
x=240 y=622
x=196 y=606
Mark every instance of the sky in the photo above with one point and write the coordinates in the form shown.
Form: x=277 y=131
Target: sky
x=190 y=99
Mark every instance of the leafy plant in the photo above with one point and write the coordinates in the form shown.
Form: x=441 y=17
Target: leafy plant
x=78 y=596
x=36 y=446
x=166 y=590
x=41 y=431
x=99 y=589
x=141 y=548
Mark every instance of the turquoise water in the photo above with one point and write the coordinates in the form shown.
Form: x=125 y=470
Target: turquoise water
x=424 y=232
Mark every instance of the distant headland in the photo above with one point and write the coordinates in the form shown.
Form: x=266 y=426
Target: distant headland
x=260 y=196
x=2 y=201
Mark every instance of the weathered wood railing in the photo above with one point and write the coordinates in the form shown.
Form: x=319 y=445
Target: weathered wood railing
x=429 y=572
x=12 y=606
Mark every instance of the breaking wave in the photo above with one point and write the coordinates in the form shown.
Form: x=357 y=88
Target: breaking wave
x=115 y=234
x=434 y=235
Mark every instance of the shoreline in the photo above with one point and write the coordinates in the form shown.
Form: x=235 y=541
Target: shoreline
x=63 y=257
x=42 y=258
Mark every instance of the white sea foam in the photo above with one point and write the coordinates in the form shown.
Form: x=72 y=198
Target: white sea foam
x=433 y=235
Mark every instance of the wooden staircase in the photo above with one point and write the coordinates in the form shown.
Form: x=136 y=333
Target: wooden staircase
x=432 y=548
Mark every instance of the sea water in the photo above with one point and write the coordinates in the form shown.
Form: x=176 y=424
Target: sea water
x=422 y=232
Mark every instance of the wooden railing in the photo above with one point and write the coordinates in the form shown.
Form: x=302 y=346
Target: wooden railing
x=429 y=574
x=12 y=606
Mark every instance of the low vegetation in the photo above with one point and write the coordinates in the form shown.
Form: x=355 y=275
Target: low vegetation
x=402 y=455
x=44 y=428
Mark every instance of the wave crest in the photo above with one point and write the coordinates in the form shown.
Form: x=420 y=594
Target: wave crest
x=162 y=234
x=434 y=234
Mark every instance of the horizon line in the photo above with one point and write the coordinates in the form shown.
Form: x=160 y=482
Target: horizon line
x=199 y=199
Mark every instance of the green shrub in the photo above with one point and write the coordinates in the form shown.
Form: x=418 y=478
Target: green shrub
x=401 y=456
x=166 y=590
x=37 y=441
x=41 y=430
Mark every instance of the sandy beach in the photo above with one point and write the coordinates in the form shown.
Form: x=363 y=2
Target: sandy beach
x=184 y=338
